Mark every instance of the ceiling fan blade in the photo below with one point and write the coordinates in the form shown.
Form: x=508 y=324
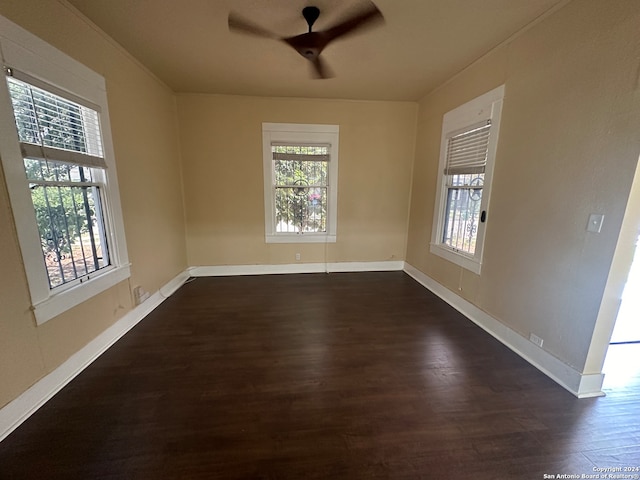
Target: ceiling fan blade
x=241 y=25
x=320 y=68
x=364 y=18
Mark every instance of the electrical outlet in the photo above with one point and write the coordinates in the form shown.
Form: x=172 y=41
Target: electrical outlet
x=595 y=223
x=536 y=339
x=297 y=257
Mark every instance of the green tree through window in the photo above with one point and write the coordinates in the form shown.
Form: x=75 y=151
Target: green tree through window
x=301 y=180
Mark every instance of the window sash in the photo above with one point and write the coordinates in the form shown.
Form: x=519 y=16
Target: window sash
x=41 y=152
x=72 y=231
x=463 y=206
x=300 y=190
x=70 y=221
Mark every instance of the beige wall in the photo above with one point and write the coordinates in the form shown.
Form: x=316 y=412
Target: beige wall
x=568 y=147
x=221 y=138
x=143 y=117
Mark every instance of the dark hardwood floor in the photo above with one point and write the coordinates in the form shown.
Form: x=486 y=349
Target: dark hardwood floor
x=337 y=376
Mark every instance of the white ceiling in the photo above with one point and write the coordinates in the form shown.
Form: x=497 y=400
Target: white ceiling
x=422 y=43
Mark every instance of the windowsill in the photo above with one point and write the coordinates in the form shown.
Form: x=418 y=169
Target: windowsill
x=300 y=238
x=459 y=259
x=62 y=301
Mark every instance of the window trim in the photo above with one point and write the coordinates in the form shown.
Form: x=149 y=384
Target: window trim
x=485 y=107
x=300 y=133
x=27 y=53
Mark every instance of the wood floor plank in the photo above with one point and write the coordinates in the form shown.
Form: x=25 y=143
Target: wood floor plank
x=350 y=375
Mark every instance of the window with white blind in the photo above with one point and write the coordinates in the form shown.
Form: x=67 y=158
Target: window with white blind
x=467 y=154
x=64 y=164
x=300 y=172
x=61 y=178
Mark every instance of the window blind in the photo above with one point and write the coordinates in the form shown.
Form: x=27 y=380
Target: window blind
x=301 y=152
x=51 y=127
x=467 y=150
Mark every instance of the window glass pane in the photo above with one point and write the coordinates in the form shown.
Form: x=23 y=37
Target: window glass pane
x=296 y=172
x=71 y=231
x=301 y=193
x=43 y=118
x=301 y=209
x=462 y=214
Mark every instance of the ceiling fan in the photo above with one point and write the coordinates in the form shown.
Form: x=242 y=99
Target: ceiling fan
x=311 y=44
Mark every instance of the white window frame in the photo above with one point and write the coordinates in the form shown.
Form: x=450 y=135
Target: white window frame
x=486 y=107
x=28 y=54
x=298 y=133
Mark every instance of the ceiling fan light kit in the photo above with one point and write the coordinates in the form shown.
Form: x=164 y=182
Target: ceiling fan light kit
x=311 y=44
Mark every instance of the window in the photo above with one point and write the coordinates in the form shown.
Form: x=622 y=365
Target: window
x=467 y=154
x=60 y=172
x=300 y=171
x=60 y=141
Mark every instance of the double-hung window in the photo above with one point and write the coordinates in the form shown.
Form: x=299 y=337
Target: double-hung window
x=467 y=154
x=64 y=163
x=300 y=170
x=57 y=158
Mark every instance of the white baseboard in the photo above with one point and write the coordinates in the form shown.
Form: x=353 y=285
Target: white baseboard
x=18 y=410
x=169 y=288
x=582 y=386
x=227 y=270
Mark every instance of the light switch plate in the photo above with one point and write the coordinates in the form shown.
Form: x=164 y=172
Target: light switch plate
x=595 y=222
